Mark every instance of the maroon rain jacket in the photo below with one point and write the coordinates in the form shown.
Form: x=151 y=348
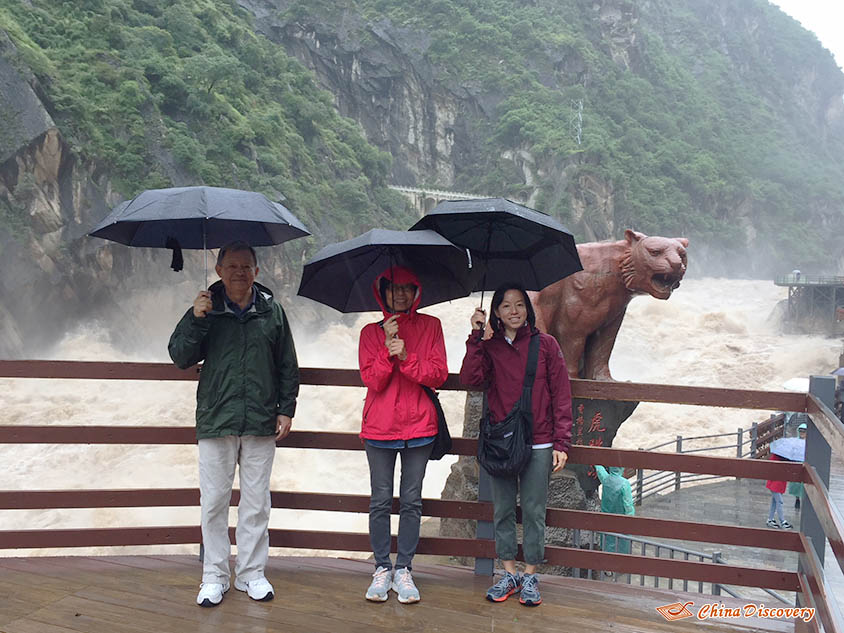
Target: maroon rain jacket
x=496 y=366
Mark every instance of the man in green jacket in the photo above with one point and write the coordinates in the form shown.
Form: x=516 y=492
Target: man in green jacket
x=245 y=402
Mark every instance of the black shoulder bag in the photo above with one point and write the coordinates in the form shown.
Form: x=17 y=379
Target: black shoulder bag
x=504 y=449
x=442 y=441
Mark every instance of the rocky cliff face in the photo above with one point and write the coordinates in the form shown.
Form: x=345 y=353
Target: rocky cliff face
x=384 y=84
x=45 y=194
x=53 y=275
x=429 y=125
x=380 y=76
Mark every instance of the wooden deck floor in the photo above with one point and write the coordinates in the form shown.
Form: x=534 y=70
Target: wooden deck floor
x=132 y=594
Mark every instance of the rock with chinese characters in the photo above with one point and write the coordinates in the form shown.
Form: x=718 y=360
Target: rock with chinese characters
x=584 y=311
x=596 y=423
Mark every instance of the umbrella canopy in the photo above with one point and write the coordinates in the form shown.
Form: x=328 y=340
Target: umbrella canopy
x=838 y=372
x=796 y=384
x=515 y=243
x=791 y=448
x=199 y=217
x=341 y=275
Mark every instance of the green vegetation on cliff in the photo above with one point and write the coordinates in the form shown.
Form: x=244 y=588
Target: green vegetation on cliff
x=713 y=119
x=706 y=118
x=185 y=91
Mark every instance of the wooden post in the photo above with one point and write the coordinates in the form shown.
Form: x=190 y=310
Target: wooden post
x=485 y=529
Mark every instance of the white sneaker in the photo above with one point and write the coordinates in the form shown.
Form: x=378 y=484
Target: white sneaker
x=211 y=593
x=259 y=589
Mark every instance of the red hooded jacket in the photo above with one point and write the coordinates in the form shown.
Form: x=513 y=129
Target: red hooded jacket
x=774 y=485
x=396 y=407
x=499 y=367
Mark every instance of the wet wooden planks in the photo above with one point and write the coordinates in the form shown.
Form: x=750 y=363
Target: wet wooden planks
x=131 y=594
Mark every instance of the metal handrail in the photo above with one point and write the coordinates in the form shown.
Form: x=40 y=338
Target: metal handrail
x=708 y=448
x=706 y=437
x=759 y=437
x=715 y=557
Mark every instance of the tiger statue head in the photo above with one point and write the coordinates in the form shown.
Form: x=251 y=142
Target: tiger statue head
x=653 y=265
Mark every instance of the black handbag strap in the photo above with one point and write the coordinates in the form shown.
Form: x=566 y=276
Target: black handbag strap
x=530 y=370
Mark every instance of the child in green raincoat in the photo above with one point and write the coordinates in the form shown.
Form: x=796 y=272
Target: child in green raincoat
x=796 y=487
x=617 y=498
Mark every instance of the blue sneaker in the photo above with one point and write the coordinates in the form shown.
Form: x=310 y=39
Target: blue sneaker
x=530 y=591
x=404 y=586
x=379 y=589
x=504 y=588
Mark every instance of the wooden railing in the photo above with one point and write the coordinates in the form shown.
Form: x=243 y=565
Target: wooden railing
x=809 y=582
x=758 y=445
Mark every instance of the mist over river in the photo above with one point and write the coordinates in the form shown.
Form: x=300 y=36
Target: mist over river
x=712 y=332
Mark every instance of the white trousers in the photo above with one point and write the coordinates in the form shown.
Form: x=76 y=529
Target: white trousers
x=217 y=460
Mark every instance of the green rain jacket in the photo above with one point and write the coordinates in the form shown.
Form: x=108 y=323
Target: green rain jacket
x=250 y=374
x=616 y=498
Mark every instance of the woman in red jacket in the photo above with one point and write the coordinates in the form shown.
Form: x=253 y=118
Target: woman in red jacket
x=498 y=365
x=397 y=356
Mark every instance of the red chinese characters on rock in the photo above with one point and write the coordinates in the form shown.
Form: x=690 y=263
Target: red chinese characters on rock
x=578 y=423
x=596 y=427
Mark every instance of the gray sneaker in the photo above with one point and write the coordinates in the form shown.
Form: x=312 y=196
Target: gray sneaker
x=530 y=591
x=504 y=588
x=379 y=589
x=405 y=588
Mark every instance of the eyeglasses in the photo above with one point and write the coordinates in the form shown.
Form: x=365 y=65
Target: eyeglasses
x=402 y=288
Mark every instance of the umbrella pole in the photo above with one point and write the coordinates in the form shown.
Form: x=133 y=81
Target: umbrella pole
x=205 y=252
x=486 y=252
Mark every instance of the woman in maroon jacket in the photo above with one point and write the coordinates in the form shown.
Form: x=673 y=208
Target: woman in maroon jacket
x=497 y=365
x=397 y=357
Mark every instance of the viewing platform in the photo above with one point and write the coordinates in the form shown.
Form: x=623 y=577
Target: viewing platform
x=814 y=302
x=133 y=594
x=113 y=594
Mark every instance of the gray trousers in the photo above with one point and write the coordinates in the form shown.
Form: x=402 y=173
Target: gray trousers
x=532 y=486
x=382 y=465
x=217 y=460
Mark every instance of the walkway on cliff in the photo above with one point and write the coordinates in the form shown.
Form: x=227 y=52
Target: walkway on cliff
x=745 y=503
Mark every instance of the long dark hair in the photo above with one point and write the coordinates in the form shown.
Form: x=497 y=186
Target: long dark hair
x=498 y=298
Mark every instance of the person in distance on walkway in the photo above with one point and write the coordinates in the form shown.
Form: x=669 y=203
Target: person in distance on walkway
x=777 y=488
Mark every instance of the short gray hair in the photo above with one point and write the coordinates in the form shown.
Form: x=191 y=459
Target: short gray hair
x=236 y=247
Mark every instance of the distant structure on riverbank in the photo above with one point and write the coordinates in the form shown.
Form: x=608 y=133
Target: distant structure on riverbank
x=815 y=304
x=424 y=200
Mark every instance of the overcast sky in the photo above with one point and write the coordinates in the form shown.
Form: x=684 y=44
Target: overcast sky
x=825 y=18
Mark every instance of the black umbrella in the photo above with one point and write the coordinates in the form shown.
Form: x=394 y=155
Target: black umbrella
x=199 y=217
x=514 y=242
x=341 y=275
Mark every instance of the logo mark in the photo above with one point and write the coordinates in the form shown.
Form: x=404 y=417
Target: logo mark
x=676 y=611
